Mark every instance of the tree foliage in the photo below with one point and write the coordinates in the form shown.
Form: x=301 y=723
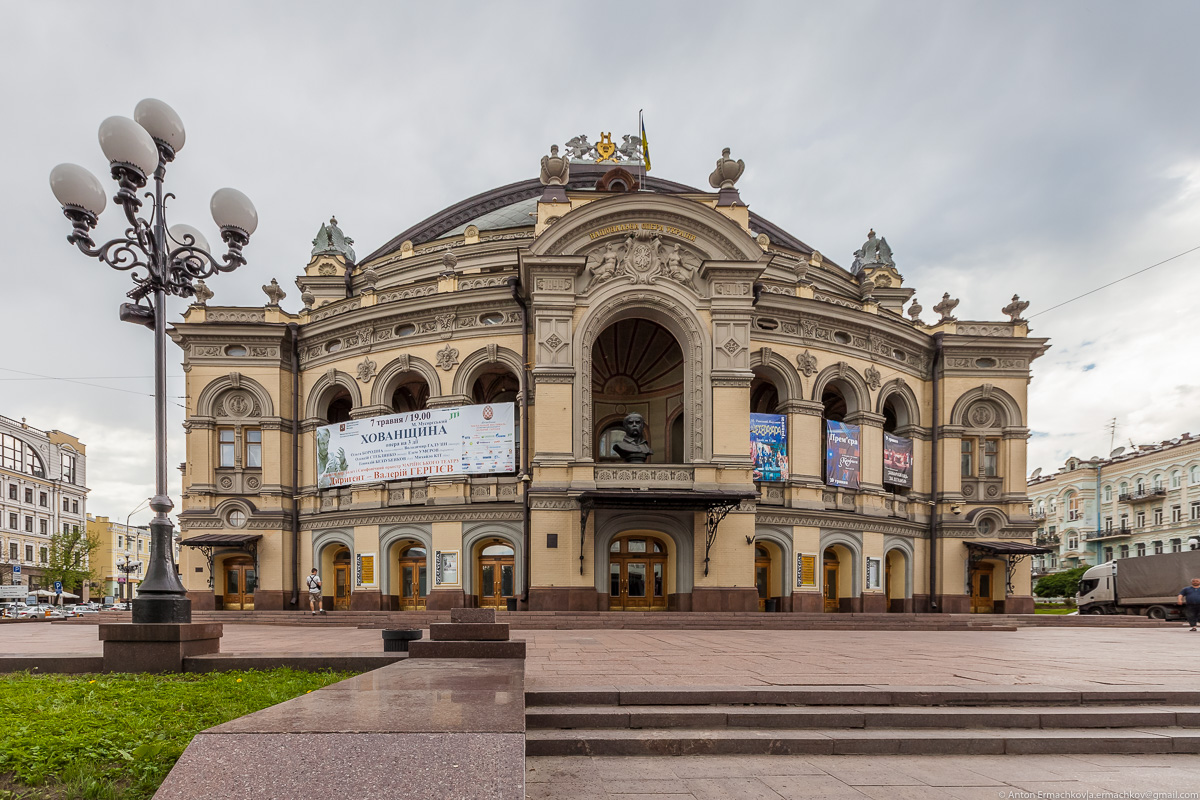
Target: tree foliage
x=73 y=558
x=1061 y=584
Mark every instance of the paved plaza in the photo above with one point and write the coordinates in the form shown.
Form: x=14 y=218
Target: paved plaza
x=1065 y=657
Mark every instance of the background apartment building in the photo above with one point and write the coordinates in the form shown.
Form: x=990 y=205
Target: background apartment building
x=43 y=489
x=1140 y=501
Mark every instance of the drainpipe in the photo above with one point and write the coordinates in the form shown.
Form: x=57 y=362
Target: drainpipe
x=294 y=330
x=934 y=514
x=514 y=284
x=1099 y=541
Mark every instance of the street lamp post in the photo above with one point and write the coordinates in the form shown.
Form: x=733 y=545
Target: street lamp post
x=127 y=565
x=161 y=261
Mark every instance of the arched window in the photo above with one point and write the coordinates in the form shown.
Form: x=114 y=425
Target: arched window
x=1158 y=484
x=339 y=408
x=412 y=394
x=19 y=457
x=764 y=397
x=1108 y=494
x=1141 y=485
x=1176 y=479
x=1124 y=490
x=1073 y=506
x=1194 y=474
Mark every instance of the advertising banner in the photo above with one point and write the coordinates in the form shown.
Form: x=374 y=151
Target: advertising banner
x=843 y=450
x=768 y=446
x=897 y=460
x=464 y=440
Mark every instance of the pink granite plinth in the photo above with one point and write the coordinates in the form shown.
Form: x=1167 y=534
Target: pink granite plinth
x=156 y=647
x=482 y=615
x=444 y=649
x=468 y=631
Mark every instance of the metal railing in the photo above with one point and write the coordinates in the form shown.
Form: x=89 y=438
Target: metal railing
x=1146 y=493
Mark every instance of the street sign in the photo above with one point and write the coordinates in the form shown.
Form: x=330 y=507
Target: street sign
x=121 y=579
x=13 y=591
x=16 y=569
x=58 y=587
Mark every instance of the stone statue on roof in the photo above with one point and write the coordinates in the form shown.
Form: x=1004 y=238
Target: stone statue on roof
x=873 y=253
x=331 y=241
x=580 y=148
x=556 y=170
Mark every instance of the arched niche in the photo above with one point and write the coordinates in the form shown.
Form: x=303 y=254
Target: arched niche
x=842 y=378
x=391 y=536
x=668 y=526
x=665 y=306
x=326 y=388
x=482 y=362
x=852 y=544
x=1006 y=410
x=781 y=538
x=229 y=394
x=474 y=534
x=898 y=405
x=397 y=372
x=904 y=548
x=773 y=369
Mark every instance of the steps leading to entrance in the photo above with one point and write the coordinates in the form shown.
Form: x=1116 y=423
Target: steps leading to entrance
x=860 y=720
x=642 y=620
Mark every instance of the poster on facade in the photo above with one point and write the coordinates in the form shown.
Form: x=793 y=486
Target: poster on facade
x=768 y=446
x=445 y=567
x=842 y=454
x=365 y=570
x=897 y=461
x=874 y=573
x=462 y=440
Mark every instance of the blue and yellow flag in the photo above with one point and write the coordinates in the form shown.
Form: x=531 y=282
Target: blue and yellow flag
x=645 y=143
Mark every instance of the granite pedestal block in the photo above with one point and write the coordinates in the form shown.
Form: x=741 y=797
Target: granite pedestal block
x=156 y=647
x=484 y=615
x=466 y=649
x=468 y=631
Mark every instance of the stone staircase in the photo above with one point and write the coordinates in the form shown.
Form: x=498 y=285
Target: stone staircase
x=852 y=720
x=632 y=620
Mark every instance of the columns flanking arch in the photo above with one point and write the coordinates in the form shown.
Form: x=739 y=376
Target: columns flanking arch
x=676 y=527
x=905 y=548
x=664 y=306
x=385 y=382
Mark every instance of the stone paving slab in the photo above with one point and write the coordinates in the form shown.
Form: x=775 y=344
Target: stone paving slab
x=943 y=777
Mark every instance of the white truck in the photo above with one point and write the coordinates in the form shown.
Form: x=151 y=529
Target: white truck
x=1146 y=585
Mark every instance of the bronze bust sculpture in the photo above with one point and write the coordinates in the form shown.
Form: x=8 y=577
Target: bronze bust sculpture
x=633 y=448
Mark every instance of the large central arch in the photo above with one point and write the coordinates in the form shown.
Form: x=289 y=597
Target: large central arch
x=664 y=307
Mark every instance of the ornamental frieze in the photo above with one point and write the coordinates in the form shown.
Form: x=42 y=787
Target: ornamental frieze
x=468 y=514
x=216 y=315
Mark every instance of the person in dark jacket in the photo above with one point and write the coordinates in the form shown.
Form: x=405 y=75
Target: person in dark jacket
x=1189 y=598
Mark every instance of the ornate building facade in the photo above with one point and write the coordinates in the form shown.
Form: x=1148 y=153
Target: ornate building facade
x=43 y=490
x=583 y=296
x=1140 y=501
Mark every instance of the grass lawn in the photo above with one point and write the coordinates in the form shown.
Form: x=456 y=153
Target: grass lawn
x=115 y=737
x=1053 y=610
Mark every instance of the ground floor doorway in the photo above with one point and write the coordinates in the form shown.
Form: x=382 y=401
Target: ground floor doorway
x=831 y=566
x=495 y=574
x=637 y=573
x=341 y=580
x=414 y=577
x=982 y=577
x=240 y=583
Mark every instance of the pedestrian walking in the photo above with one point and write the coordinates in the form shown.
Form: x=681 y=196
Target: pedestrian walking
x=314 y=593
x=1189 y=598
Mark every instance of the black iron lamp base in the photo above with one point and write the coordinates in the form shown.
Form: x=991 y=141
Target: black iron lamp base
x=171 y=608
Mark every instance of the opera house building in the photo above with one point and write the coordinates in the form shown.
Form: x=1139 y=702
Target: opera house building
x=601 y=390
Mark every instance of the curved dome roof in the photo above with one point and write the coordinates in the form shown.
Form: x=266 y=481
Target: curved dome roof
x=510 y=206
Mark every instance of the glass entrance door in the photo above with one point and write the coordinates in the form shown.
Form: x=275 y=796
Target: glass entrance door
x=496 y=576
x=239 y=585
x=637 y=575
x=414 y=579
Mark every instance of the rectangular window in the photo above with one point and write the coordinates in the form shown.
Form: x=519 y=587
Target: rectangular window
x=1108 y=523
x=43 y=500
x=45 y=554
x=74 y=506
x=1158 y=548
x=139 y=545
x=68 y=468
x=66 y=504
x=1108 y=554
x=1176 y=545
x=29 y=526
x=968 y=458
x=253 y=448
x=66 y=528
x=1158 y=517
x=29 y=495
x=12 y=521
x=120 y=541
x=43 y=526
x=991 y=457
x=227 y=446
x=1141 y=519
x=12 y=551
x=1176 y=513
x=29 y=553
x=1196 y=509
x=12 y=491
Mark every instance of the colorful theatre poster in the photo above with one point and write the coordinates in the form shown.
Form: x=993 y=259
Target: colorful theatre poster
x=768 y=446
x=463 y=440
x=897 y=460
x=843 y=452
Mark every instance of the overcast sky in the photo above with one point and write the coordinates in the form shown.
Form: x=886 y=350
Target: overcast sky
x=1031 y=147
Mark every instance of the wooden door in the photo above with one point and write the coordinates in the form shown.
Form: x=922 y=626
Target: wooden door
x=887 y=582
x=239 y=585
x=982 y=576
x=341 y=587
x=414 y=579
x=637 y=575
x=832 y=605
x=496 y=581
x=762 y=576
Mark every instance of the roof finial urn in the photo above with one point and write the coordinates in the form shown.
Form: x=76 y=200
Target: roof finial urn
x=274 y=292
x=203 y=293
x=946 y=308
x=914 y=311
x=1015 y=309
x=724 y=177
x=556 y=172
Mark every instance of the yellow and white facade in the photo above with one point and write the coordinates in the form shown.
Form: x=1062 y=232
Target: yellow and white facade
x=582 y=298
